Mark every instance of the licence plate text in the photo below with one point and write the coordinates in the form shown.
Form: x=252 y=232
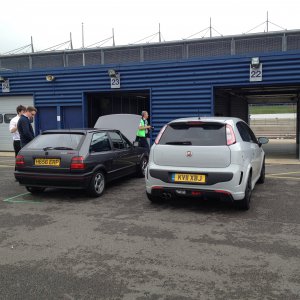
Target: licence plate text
x=47 y=162
x=194 y=178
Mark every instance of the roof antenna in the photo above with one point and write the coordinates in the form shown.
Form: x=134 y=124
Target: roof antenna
x=198 y=113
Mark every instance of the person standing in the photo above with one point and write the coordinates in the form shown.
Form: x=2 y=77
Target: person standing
x=14 y=129
x=141 y=134
x=24 y=125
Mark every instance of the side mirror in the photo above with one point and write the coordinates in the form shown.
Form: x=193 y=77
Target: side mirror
x=262 y=140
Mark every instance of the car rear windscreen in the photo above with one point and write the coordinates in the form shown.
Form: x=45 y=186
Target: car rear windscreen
x=56 y=140
x=195 y=134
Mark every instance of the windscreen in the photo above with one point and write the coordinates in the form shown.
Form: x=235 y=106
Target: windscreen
x=194 y=134
x=56 y=141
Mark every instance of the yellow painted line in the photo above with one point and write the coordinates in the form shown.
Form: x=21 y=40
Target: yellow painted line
x=285 y=173
x=282 y=177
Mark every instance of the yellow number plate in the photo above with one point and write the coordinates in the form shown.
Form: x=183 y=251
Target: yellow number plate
x=47 y=162
x=193 y=178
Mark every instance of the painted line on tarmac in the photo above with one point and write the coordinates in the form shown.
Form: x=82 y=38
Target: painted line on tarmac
x=284 y=173
x=11 y=199
x=282 y=177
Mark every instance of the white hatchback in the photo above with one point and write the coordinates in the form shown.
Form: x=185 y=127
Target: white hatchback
x=206 y=155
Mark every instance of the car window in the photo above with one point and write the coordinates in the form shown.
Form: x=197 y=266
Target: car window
x=117 y=140
x=1 y=118
x=246 y=133
x=100 y=142
x=195 y=134
x=57 y=140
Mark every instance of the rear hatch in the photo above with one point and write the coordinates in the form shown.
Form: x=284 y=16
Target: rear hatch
x=51 y=153
x=193 y=144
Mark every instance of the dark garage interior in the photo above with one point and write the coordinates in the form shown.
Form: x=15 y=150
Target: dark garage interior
x=100 y=104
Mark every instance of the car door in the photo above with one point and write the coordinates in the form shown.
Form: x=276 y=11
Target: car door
x=251 y=148
x=257 y=153
x=101 y=153
x=123 y=163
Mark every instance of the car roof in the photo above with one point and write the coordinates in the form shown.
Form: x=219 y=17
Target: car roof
x=208 y=119
x=77 y=130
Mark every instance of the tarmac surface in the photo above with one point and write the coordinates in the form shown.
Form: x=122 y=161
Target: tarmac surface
x=61 y=244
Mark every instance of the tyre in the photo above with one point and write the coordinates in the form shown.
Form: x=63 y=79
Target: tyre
x=244 y=204
x=262 y=176
x=154 y=199
x=34 y=189
x=97 y=184
x=142 y=167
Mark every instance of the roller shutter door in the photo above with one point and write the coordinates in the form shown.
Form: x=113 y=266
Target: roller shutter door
x=7 y=111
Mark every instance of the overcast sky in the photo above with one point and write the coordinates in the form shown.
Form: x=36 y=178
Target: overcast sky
x=50 y=22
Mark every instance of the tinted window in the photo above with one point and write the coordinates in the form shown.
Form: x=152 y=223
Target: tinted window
x=1 y=118
x=118 y=141
x=68 y=140
x=246 y=133
x=8 y=117
x=195 y=134
x=100 y=142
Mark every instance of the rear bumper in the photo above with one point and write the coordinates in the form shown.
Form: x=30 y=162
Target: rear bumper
x=167 y=192
x=71 y=181
x=227 y=183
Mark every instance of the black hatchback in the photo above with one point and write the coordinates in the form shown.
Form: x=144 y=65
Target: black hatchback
x=78 y=159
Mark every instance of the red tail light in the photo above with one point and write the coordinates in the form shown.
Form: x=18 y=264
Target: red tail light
x=77 y=163
x=160 y=134
x=230 y=136
x=20 y=161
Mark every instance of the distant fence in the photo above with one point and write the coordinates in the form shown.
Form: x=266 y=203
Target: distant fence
x=274 y=128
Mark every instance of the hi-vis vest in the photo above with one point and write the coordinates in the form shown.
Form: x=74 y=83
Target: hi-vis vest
x=141 y=132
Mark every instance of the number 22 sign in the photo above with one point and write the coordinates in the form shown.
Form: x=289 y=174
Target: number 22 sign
x=255 y=73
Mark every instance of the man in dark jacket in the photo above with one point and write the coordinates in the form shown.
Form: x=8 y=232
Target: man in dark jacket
x=24 y=125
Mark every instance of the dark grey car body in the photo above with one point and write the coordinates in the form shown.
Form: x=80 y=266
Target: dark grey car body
x=80 y=158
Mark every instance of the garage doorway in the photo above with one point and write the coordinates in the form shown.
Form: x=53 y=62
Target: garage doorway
x=239 y=101
x=100 y=104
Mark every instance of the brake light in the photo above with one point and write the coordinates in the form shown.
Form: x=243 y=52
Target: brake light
x=160 y=134
x=20 y=161
x=77 y=163
x=230 y=136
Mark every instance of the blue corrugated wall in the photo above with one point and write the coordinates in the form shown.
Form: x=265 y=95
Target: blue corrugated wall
x=177 y=88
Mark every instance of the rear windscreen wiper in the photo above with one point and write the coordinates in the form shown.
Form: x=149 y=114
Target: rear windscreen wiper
x=57 y=148
x=179 y=143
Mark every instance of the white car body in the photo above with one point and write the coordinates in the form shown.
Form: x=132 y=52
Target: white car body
x=225 y=166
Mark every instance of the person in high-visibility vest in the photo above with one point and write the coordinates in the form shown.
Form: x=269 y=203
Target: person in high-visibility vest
x=141 y=134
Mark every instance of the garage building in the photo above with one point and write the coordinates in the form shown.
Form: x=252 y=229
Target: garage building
x=208 y=76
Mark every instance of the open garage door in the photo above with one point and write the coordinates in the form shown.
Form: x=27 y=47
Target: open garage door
x=8 y=106
x=100 y=104
x=235 y=102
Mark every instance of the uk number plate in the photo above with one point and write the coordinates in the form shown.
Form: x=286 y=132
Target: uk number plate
x=54 y=162
x=192 y=178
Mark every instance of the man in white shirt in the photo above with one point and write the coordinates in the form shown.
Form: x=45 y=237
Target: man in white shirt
x=14 y=130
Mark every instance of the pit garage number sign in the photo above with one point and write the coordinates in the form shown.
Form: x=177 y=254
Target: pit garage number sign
x=115 y=82
x=5 y=86
x=255 y=73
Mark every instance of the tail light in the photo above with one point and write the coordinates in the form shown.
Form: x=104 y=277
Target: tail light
x=20 y=161
x=160 y=134
x=230 y=136
x=77 y=163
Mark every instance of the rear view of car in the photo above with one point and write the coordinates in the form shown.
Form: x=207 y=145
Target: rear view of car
x=205 y=156
x=78 y=159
